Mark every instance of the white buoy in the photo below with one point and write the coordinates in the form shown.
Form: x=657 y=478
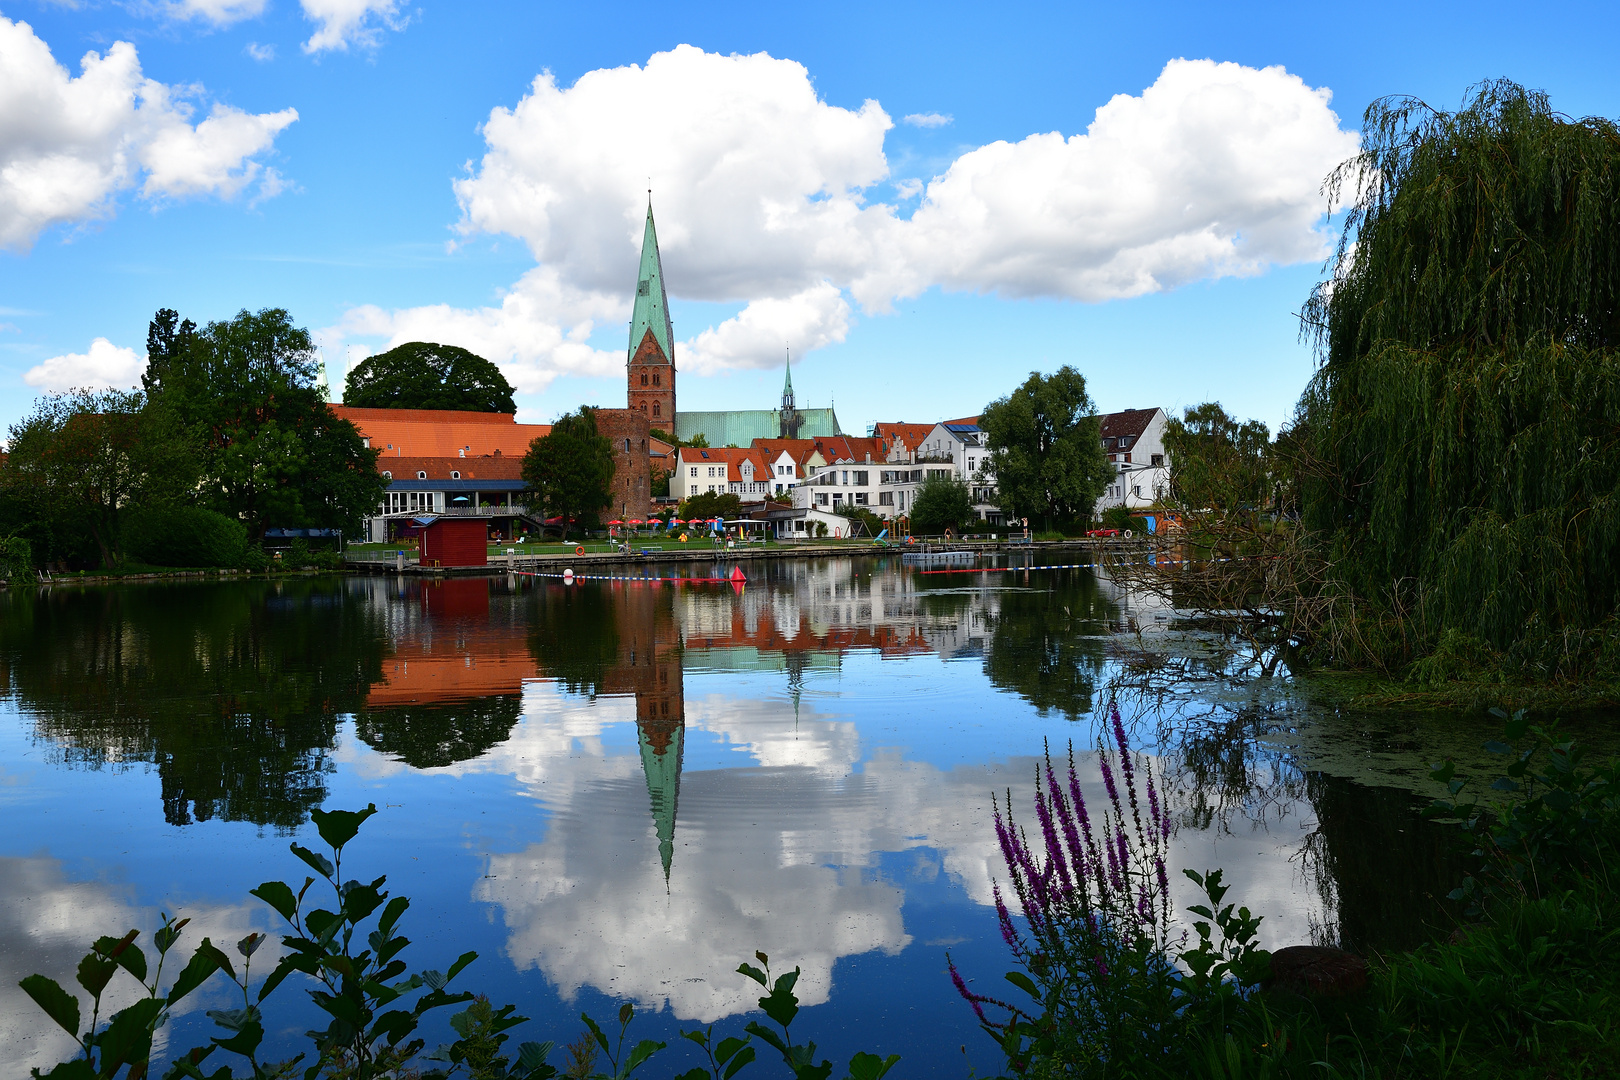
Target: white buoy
x=568 y=576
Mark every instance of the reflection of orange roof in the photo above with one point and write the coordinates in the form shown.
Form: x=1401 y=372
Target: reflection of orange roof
x=474 y=657
x=442 y=432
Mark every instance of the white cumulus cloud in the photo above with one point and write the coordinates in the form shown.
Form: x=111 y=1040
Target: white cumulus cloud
x=929 y=119
x=104 y=366
x=218 y=12
x=766 y=195
x=69 y=145
x=340 y=24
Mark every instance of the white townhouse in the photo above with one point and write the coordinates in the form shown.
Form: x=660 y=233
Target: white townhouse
x=1134 y=443
x=963 y=445
x=738 y=471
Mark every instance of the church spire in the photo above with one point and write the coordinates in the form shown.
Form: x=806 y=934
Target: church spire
x=651 y=312
x=787 y=385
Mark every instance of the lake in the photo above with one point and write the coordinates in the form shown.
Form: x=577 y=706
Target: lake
x=618 y=790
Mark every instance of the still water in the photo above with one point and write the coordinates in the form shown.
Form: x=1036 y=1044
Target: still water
x=617 y=791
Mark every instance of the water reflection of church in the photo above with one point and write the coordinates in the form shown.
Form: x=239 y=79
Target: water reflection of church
x=460 y=645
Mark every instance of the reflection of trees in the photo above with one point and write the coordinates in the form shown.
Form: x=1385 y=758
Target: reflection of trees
x=434 y=736
x=1381 y=867
x=573 y=637
x=231 y=690
x=1044 y=645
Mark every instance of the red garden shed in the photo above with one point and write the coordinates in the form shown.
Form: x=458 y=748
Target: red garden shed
x=455 y=541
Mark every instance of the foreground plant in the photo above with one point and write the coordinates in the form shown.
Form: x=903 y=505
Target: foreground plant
x=1099 y=956
x=352 y=953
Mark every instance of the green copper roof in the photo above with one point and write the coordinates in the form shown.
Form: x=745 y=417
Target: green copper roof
x=663 y=772
x=741 y=427
x=652 y=306
x=787 y=383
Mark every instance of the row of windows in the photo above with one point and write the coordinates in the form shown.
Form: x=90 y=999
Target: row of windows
x=455 y=474
x=656 y=409
x=655 y=381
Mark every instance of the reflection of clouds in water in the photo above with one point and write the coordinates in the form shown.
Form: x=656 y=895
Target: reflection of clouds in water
x=47 y=923
x=779 y=857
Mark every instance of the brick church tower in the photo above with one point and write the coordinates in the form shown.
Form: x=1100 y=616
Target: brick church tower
x=651 y=358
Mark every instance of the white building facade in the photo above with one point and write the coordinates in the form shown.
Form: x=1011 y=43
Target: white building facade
x=1133 y=440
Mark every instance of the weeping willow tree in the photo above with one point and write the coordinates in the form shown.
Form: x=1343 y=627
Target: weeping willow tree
x=1464 y=423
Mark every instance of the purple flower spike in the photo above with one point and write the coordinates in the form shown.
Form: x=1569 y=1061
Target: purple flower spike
x=961 y=988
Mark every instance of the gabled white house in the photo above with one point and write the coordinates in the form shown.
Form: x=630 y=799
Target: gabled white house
x=1134 y=443
x=962 y=443
x=739 y=471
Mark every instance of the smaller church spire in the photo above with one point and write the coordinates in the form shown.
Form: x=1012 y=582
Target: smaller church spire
x=787 y=384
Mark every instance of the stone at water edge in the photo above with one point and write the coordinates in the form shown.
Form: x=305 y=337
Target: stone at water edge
x=1316 y=971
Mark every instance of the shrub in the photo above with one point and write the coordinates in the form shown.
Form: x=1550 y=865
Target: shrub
x=183 y=536
x=16 y=559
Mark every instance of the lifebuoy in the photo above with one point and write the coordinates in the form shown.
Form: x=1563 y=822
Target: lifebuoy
x=579 y=549
x=1127 y=534
x=838 y=532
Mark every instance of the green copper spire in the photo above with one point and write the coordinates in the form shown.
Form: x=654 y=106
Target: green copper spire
x=662 y=768
x=652 y=306
x=787 y=384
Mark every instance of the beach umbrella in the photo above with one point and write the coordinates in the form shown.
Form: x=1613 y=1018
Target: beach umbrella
x=677 y=521
x=637 y=521
x=615 y=521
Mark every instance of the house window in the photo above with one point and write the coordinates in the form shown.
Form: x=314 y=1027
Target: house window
x=1157 y=460
x=838 y=497
x=420 y=475
x=387 y=475
x=846 y=476
x=455 y=475
x=1136 y=489
x=821 y=498
x=860 y=498
x=885 y=498
x=861 y=478
x=694 y=470
x=970 y=465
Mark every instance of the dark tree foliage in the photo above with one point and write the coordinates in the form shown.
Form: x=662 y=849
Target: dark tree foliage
x=574 y=638
x=436 y=736
x=711 y=504
x=1047 y=645
x=1464 y=470
x=167 y=338
x=942 y=502
x=1046 y=448
x=1218 y=463
x=569 y=472
x=424 y=375
x=183 y=536
x=272 y=453
x=78 y=461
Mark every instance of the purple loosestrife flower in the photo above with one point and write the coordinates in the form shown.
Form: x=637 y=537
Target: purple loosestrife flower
x=1009 y=933
x=961 y=988
x=1071 y=836
x=1054 y=849
x=1124 y=747
x=1108 y=780
x=1164 y=878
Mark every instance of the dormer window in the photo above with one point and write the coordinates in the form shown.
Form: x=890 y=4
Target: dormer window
x=387 y=475
x=455 y=474
x=420 y=475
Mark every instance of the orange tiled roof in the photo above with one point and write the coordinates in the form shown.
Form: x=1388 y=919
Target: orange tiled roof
x=733 y=456
x=440 y=468
x=911 y=436
x=442 y=433
x=853 y=448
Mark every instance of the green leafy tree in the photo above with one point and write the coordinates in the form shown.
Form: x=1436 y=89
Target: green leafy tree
x=425 y=375
x=1046 y=448
x=271 y=452
x=942 y=502
x=711 y=504
x=570 y=471
x=1459 y=435
x=88 y=455
x=1218 y=463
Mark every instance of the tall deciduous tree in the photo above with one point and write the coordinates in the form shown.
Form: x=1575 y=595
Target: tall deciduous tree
x=569 y=472
x=272 y=453
x=425 y=375
x=1460 y=433
x=1218 y=463
x=87 y=455
x=1046 y=448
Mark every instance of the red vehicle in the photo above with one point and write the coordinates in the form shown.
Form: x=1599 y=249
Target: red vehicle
x=1103 y=532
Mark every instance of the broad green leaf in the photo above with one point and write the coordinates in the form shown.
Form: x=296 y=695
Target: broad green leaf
x=865 y=1066
x=279 y=895
x=58 y=1004
x=743 y=1057
x=643 y=1050
x=1024 y=983
x=760 y=1031
x=318 y=862
x=754 y=973
x=338 y=827
x=461 y=962
x=601 y=1039
x=94 y=973
x=128 y=1038
x=196 y=971
x=727 y=1047
x=532 y=1055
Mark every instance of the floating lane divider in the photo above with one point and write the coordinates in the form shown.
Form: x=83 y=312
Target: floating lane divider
x=1064 y=566
x=736 y=577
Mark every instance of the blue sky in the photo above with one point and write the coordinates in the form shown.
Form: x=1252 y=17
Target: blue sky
x=916 y=268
